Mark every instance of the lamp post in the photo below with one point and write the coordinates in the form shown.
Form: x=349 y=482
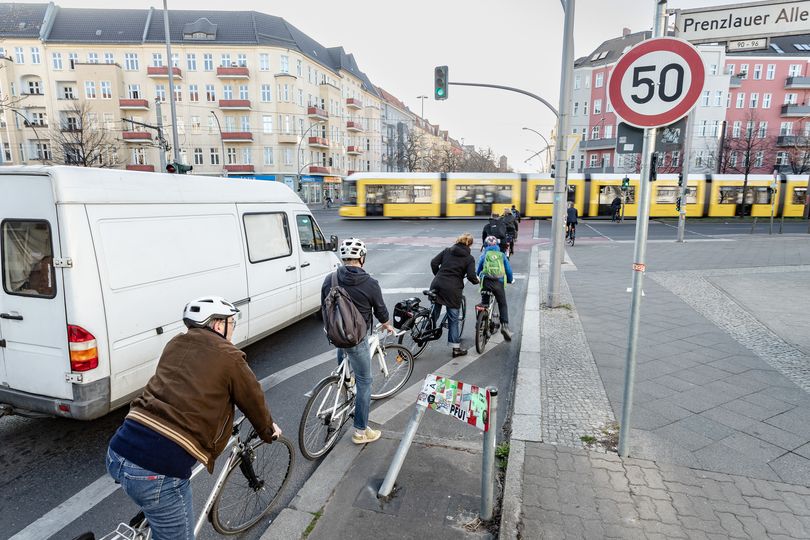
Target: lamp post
x=422 y=98
x=298 y=154
x=548 y=145
x=32 y=125
x=171 y=84
x=221 y=142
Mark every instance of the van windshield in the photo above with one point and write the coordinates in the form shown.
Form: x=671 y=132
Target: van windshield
x=28 y=258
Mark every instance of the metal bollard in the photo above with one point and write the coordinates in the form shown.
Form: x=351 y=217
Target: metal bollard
x=781 y=224
x=753 y=225
x=488 y=458
x=402 y=451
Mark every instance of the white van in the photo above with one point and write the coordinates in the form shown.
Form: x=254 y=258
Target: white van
x=97 y=265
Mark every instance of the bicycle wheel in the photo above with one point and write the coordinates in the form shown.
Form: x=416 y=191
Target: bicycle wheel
x=322 y=419
x=481 y=331
x=398 y=361
x=462 y=315
x=422 y=325
x=254 y=483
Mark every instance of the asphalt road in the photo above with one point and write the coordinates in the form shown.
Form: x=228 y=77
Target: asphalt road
x=51 y=462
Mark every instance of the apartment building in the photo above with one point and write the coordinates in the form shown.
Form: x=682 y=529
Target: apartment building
x=397 y=123
x=255 y=96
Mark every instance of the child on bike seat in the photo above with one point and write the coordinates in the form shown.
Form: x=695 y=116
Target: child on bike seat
x=495 y=272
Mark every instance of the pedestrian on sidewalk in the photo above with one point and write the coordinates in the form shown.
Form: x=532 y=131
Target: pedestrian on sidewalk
x=184 y=415
x=366 y=295
x=450 y=267
x=495 y=272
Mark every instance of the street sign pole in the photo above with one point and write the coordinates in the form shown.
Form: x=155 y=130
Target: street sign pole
x=639 y=257
x=686 y=160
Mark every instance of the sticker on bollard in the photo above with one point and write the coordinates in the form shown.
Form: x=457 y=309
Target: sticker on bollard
x=465 y=402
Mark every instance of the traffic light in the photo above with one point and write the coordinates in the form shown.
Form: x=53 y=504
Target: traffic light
x=654 y=167
x=177 y=168
x=678 y=204
x=440 y=82
x=625 y=183
x=680 y=179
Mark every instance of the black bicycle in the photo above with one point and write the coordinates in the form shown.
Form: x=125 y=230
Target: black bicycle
x=487 y=320
x=418 y=322
x=571 y=234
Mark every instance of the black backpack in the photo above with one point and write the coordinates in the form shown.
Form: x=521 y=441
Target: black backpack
x=345 y=327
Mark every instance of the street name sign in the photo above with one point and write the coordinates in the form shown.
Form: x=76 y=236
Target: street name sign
x=741 y=21
x=656 y=82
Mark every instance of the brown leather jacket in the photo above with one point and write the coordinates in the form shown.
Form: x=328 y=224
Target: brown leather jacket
x=191 y=397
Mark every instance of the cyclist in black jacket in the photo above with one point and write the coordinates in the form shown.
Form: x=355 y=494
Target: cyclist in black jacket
x=495 y=227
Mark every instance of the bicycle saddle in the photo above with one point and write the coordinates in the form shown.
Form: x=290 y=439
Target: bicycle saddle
x=429 y=292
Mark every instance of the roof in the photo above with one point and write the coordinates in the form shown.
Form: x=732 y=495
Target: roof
x=87 y=185
x=609 y=51
x=392 y=99
x=781 y=46
x=22 y=20
x=79 y=25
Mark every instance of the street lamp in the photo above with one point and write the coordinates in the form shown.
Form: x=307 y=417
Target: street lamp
x=298 y=153
x=548 y=145
x=423 y=98
x=221 y=142
x=32 y=125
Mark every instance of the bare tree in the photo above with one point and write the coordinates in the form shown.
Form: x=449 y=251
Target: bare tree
x=798 y=155
x=480 y=160
x=413 y=151
x=746 y=149
x=77 y=139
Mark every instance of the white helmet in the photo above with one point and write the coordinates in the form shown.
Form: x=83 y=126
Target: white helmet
x=200 y=312
x=352 y=248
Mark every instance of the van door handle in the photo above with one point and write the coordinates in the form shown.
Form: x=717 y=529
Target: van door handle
x=290 y=268
x=304 y=265
x=11 y=317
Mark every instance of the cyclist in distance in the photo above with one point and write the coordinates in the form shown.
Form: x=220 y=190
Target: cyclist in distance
x=184 y=415
x=366 y=295
x=495 y=272
x=450 y=267
x=518 y=217
x=510 y=222
x=495 y=227
x=571 y=220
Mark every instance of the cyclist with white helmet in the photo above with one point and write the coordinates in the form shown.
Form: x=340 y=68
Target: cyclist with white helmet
x=366 y=294
x=184 y=415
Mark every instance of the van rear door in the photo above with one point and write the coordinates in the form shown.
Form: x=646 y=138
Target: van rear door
x=33 y=325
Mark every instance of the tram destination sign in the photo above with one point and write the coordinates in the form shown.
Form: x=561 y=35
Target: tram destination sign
x=743 y=21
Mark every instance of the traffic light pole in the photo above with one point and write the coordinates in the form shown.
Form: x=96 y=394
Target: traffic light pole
x=687 y=151
x=639 y=257
x=161 y=139
x=175 y=139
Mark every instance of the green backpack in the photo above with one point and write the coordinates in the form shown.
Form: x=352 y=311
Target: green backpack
x=493 y=265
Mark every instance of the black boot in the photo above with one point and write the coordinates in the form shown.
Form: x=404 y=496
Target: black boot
x=458 y=351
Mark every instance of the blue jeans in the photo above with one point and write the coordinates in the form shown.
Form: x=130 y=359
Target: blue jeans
x=360 y=362
x=166 y=501
x=453 y=334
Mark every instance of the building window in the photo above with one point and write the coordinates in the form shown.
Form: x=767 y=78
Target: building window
x=754 y=101
x=247 y=156
x=241 y=59
x=109 y=58
x=134 y=91
x=718 y=98
x=210 y=93
x=759 y=159
x=702 y=128
x=790 y=99
x=576 y=108
x=230 y=123
x=597 y=106
x=178 y=92
x=191 y=62
x=175 y=60
x=106 y=89
x=208 y=62
x=196 y=127
x=193 y=92
x=267 y=123
x=795 y=70
x=198 y=156
x=700 y=157
x=268 y=155
x=763 y=130
x=743 y=71
x=227 y=92
x=770 y=74
x=599 y=80
x=766 y=101
x=214 y=153
x=786 y=128
x=608 y=132
x=704 y=98
x=285 y=63
x=605 y=160
x=713 y=69
x=585 y=108
x=730 y=69
x=157 y=60
x=300 y=97
x=245 y=122
x=230 y=156
x=19 y=55
x=90 y=89
x=243 y=91
x=67 y=92
x=225 y=60
x=264 y=62
x=781 y=158
x=757 y=72
x=92 y=58
x=160 y=92
x=36 y=58
x=288 y=156
x=736 y=129
x=181 y=127
x=594 y=132
x=56 y=60
x=267 y=93
x=73 y=59
x=131 y=61
x=577 y=82
x=740 y=100
x=715 y=128
x=592 y=161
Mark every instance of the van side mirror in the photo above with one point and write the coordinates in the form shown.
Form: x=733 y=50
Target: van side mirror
x=333 y=243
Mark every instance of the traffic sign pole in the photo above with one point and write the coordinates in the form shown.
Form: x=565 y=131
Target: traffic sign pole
x=686 y=160
x=639 y=258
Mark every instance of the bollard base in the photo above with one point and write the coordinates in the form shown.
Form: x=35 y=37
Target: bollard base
x=368 y=499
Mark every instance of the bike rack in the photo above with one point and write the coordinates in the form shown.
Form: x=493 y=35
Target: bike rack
x=470 y=404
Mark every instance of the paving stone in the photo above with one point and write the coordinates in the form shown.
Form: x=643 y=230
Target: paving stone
x=656 y=529
x=705 y=427
x=624 y=532
x=657 y=494
x=796 y=420
x=770 y=521
x=793 y=525
x=777 y=436
x=723 y=458
x=758 y=503
x=732 y=525
x=728 y=418
x=542 y=515
x=799 y=505
x=682 y=437
x=752 y=446
x=705 y=526
x=792 y=468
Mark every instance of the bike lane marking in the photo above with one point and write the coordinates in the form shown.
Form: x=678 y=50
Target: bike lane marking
x=85 y=500
x=597 y=232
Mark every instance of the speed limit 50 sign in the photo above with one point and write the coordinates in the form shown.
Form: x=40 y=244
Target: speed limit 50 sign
x=656 y=82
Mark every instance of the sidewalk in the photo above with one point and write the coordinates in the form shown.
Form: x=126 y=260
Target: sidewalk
x=721 y=419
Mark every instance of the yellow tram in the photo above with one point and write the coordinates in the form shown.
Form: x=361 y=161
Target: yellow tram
x=410 y=195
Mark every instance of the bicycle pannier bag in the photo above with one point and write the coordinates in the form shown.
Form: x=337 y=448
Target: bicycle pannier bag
x=342 y=322
x=404 y=311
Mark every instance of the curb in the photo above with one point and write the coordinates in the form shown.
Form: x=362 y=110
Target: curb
x=526 y=405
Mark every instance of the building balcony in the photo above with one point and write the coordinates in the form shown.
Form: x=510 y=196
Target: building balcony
x=137 y=136
x=797 y=83
x=319 y=142
x=133 y=104
x=233 y=168
x=32 y=93
x=35 y=125
x=793 y=140
x=349 y=173
x=353 y=126
x=235 y=104
x=317 y=169
x=163 y=72
x=233 y=72
x=287 y=138
x=143 y=168
x=735 y=82
x=237 y=136
x=598 y=170
x=598 y=144
x=352 y=103
x=795 y=110
x=317 y=112
x=354 y=150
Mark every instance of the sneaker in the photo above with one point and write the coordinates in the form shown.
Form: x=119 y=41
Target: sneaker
x=507 y=334
x=369 y=435
x=458 y=351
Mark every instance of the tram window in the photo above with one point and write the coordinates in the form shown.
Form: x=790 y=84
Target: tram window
x=668 y=195
x=762 y=196
x=475 y=194
x=729 y=195
x=733 y=195
x=799 y=195
x=544 y=195
x=408 y=194
x=422 y=194
x=608 y=193
x=375 y=194
x=350 y=193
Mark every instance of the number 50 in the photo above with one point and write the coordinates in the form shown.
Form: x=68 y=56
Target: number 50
x=638 y=80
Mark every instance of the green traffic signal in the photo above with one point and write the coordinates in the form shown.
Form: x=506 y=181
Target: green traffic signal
x=440 y=82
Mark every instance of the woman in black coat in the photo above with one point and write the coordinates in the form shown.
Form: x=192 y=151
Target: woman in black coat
x=450 y=267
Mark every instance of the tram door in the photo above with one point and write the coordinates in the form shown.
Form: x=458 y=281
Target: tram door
x=606 y=196
x=375 y=200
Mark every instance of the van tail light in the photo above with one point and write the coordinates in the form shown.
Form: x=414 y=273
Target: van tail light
x=83 y=349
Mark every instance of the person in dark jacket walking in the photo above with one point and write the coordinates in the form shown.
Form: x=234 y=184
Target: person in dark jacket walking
x=366 y=295
x=495 y=227
x=450 y=267
x=615 y=207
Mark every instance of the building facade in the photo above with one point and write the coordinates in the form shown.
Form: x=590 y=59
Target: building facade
x=255 y=96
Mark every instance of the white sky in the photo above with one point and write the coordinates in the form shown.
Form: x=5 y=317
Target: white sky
x=507 y=42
